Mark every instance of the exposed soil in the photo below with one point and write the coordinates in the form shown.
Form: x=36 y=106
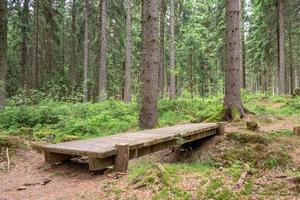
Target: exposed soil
x=30 y=178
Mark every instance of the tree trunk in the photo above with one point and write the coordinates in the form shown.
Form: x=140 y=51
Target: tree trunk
x=191 y=72
x=149 y=65
x=233 y=104
x=127 y=86
x=282 y=69
x=86 y=51
x=35 y=46
x=73 y=46
x=172 y=52
x=292 y=70
x=49 y=38
x=243 y=48
x=24 y=48
x=161 y=78
x=3 y=51
x=103 y=53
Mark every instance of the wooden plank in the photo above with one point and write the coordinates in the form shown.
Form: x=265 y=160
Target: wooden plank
x=105 y=146
x=107 y=151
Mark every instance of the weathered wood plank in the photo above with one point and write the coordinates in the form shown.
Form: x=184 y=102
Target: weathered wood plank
x=110 y=150
x=105 y=146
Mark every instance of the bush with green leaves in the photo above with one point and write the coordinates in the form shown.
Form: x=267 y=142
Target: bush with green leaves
x=63 y=118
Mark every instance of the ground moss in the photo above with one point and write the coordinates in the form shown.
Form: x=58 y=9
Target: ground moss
x=235 y=113
x=274 y=159
x=8 y=141
x=47 y=136
x=217 y=189
x=248 y=137
x=219 y=116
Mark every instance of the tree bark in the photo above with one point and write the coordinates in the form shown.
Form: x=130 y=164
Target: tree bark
x=35 y=47
x=103 y=53
x=161 y=72
x=172 y=52
x=49 y=37
x=3 y=51
x=191 y=72
x=282 y=69
x=291 y=55
x=128 y=56
x=24 y=47
x=86 y=51
x=73 y=46
x=149 y=65
x=232 y=102
x=243 y=49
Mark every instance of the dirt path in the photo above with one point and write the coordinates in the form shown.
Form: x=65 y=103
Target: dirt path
x=67 y=181
x=30 y=178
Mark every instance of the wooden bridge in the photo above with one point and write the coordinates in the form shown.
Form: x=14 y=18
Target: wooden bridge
x=118 y=149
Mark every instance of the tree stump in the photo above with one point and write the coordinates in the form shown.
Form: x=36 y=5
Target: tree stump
x=296 y=92
x=122 y=157
x=297 y=131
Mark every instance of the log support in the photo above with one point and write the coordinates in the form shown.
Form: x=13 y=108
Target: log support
x=96 y=164
x=297 y=131
x=122 y=157
x=221 y=129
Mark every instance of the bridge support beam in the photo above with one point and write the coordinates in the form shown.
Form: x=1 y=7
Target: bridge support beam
x=122 y=157
x=221 y=129
x=297 y=131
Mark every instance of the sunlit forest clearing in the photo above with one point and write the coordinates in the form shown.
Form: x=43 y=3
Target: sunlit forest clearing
x=75 y=71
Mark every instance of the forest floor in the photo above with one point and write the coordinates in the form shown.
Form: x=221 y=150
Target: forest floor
x=243 y=164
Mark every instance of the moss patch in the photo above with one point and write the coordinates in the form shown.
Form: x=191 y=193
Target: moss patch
x=248 y=137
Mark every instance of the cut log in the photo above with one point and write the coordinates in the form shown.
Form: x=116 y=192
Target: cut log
x=122 y=157
x=296 y=92
x=221 y=129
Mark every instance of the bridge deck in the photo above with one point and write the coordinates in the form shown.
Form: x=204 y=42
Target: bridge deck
x=102 y=151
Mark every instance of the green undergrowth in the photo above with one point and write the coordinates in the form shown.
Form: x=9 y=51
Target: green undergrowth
x=168 y=181
x=164 y=179
x=60 y=121
x=52 y=120
x=258 y=149
x=256 y=153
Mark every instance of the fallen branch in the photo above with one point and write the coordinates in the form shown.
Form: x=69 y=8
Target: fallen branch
x=116 y=175
x=8 y=160
x=241 y=181
x=294 y=179
x=44 y=182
